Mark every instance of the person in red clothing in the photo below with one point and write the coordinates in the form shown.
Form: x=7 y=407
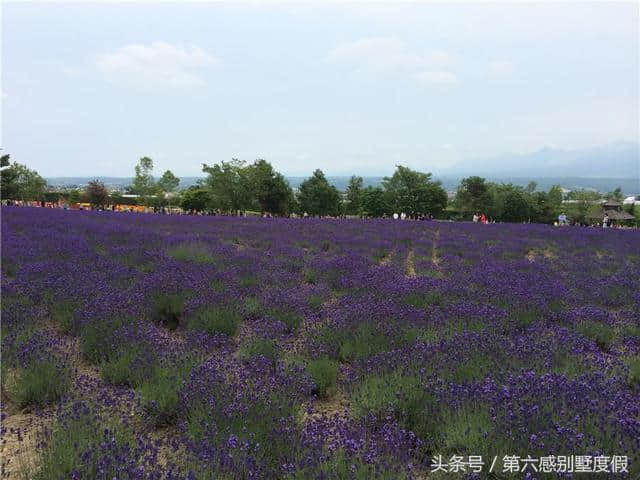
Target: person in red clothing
x=483 y=218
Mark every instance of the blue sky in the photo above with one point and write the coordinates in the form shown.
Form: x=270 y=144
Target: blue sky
x=87 y=89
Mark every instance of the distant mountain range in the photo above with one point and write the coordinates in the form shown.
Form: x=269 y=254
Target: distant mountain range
x=614 y=160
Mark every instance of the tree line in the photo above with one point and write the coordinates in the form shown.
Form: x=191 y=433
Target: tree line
x=238 y=186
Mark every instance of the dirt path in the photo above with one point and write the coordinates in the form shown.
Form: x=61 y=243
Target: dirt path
x=410 y=264
x=435 y=258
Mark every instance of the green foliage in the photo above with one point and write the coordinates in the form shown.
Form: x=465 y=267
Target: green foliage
x=425 y=300
x=260 y=346
x=248 y=281
x=375 y=202
x=159 y=394
x=62 y=315
x=414 y=192
x=317 y=197
x=17 y=182
x=354 y=204
x=310 y=276
x=216 y=319
x=125 y=368
x=41 y=382
x=229 y=185
x=633 y=364
x=98 y=339
x=394 y=393
x=252 y=307
x=271 y=190
x=355 y=344
x=195 y=198
x=143 y=182
x=97 y=194
x=324 y=373
x=65 y=453
x=192 y=252
x=315 y=302
x=168 y=182
x=473 y=196
x=290 y=318
x=465 y=430
x=167 y=309
x=600 y=333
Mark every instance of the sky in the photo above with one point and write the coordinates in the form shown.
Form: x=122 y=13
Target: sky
x=87 y=89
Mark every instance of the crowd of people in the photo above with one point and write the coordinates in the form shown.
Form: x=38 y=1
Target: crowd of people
x=477 y=217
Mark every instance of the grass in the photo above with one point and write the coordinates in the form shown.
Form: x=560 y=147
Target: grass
x=216 y=319
x=62 y=315
x=129 y=367
x=356 y=344
x=40 y=383
x=159 y=394
x=97 y=340
x=425 y=300
x=633 y=364
x=315 y=302
x=79 y=446
x=252 y=307
x=248 y=281
x=324 y=373
x=290 y=318
x=167 y=310
x=310 y=277
x=600 y=333
x=192 y=252
x=260 y=346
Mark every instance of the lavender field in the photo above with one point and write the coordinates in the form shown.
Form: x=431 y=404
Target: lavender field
x=165 y=347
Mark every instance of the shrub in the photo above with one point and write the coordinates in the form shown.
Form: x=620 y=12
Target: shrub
x=247 y=281
x=425 y=300
x=326 y=245
x=97 y=340
x=315 y=302
x=362 y=343
x=159 y=395
x=633 y=364
x=217 y=319
x=600 y=333
x=324 y=373
x=402 y=396
x=40 y=383
x=167 y=310
x=260 y=346
x=290 y=318
x=252 y=307
x=81 y=446
x=130 y=366
x=62 y=315
x=310 y=277
x=192 y=252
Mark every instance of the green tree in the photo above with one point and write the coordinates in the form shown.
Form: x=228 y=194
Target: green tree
x=17 y=182
x=195 y=198
x=168 y=182
x=4 y=160
x=354 y=196
x=374 y=201
x=143 y=182
x=414 y=192
x=271 y=190
x=229 y=185
x=616 y=195
x=317 y=197
x=97 y=193
x=473 y=196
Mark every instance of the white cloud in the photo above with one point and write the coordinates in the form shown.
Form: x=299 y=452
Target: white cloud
x=438 y=78
x=385 y=54
x=157 y=65
x=500 y=69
